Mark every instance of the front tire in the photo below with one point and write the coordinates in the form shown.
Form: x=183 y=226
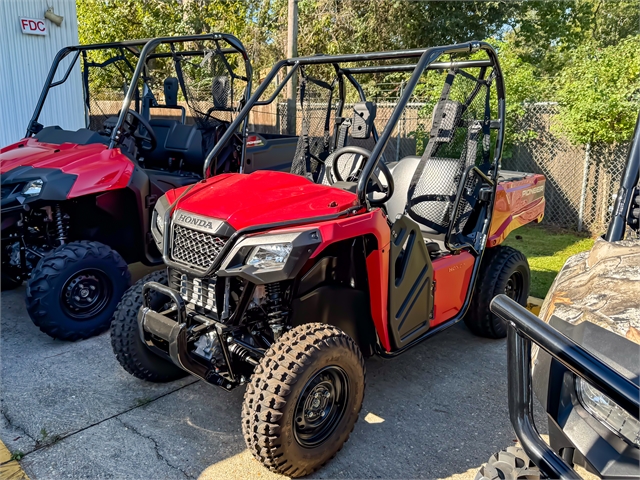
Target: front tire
x=503 y=270
x=304 y=399
x=73 y=292
x=509 y=464
x=131 y=352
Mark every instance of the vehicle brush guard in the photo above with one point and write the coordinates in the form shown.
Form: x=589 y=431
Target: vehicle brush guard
x=525 y=328
x=174 y=332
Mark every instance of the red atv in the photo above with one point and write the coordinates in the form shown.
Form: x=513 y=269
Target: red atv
x=76 y=205
x=286 y=282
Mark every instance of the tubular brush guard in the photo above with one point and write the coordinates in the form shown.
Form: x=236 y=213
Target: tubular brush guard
x=525 y=328
x=175 y=332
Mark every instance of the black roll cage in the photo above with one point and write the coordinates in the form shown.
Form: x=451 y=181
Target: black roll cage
x=426 y=61
x=142 y=49
x=524 y=328
x=628 y=188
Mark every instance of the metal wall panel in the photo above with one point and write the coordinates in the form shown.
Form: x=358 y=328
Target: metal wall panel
x=24 y=64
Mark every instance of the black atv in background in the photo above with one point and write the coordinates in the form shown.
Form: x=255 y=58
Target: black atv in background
x=77 y=204
x=584 y=365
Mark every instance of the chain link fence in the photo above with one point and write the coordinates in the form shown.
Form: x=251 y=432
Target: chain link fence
x=581 y=179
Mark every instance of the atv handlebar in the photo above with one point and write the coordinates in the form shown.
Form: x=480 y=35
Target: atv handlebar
x=525 y=328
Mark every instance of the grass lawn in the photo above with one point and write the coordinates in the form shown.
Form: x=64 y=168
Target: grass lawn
x=546 y=249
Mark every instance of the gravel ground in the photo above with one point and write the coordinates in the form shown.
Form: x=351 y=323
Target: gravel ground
x=438 y=411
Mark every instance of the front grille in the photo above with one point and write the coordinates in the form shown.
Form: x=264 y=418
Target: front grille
x=196 y=291
x=194 y=248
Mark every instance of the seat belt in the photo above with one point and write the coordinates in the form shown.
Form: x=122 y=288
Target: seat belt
x=179 y=74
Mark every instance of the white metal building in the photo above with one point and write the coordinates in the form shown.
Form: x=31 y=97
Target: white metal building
x=25 y=59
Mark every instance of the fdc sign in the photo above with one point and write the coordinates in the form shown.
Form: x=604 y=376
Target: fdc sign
x=33 y=26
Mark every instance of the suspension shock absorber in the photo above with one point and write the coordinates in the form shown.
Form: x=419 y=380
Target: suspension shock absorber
x=62 y=224
x=276 y=315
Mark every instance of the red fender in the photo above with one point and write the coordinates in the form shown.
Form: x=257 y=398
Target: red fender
x=374 y=223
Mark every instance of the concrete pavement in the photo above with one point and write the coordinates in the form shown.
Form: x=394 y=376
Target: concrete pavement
x=437 y=411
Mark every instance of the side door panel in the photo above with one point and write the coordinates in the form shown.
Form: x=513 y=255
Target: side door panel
x=410 y=283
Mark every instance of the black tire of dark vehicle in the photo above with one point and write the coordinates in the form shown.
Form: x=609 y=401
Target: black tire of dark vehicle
x=59 y=293
x=509 y=464
x=8 y=282
x=134 y=356
x=503 y=270
x=307 y=359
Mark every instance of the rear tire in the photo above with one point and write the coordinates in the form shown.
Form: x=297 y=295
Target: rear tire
x=131 y=352
x=304 y=399
x=509 y=464
x=503 y=270
x=73 y=291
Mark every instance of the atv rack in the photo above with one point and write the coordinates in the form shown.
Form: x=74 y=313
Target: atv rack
x=524 y=328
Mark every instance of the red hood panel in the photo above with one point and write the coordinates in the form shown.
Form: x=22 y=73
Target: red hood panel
x=98 y=168
x=264 y=197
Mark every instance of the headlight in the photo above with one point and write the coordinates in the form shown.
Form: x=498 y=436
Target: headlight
x=33 y=188
x=157 y=221
x=608 y=412
x=272 y=256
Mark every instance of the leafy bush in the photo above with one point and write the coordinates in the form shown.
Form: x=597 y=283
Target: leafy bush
x=599 y=93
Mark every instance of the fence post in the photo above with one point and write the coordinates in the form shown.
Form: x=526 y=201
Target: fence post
x=404 y=112
x=583 y=194
x=292 y=51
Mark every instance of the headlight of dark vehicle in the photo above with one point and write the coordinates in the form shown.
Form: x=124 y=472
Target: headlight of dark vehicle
x=608 y=412
x=33 y=188
x=157 y=221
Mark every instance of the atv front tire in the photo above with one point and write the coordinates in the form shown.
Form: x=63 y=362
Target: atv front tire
x=134 y=356
x=304 y=399
x=509 y=464
x=73 y=291
x=503 y=270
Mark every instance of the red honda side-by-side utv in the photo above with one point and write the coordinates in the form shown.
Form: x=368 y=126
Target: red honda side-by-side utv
x=286 y=281
x=77 y=204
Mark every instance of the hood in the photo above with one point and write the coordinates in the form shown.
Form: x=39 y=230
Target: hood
x=31 y=153
x=96 y=167
x=601 y=287
x=262 y=197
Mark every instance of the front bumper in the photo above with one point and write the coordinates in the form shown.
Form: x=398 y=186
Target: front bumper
x=584 y=440
x=168 y=335
x=568 y=444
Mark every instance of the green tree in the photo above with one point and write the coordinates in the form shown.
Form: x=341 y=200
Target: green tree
x=547 y=33
x=599 y=91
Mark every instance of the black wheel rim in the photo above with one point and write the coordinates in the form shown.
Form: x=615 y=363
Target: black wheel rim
x=86 y=293
x=514 y=287
x=321 y=406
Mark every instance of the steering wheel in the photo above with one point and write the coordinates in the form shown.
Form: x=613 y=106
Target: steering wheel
x=387 y=189
x=145 y=143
